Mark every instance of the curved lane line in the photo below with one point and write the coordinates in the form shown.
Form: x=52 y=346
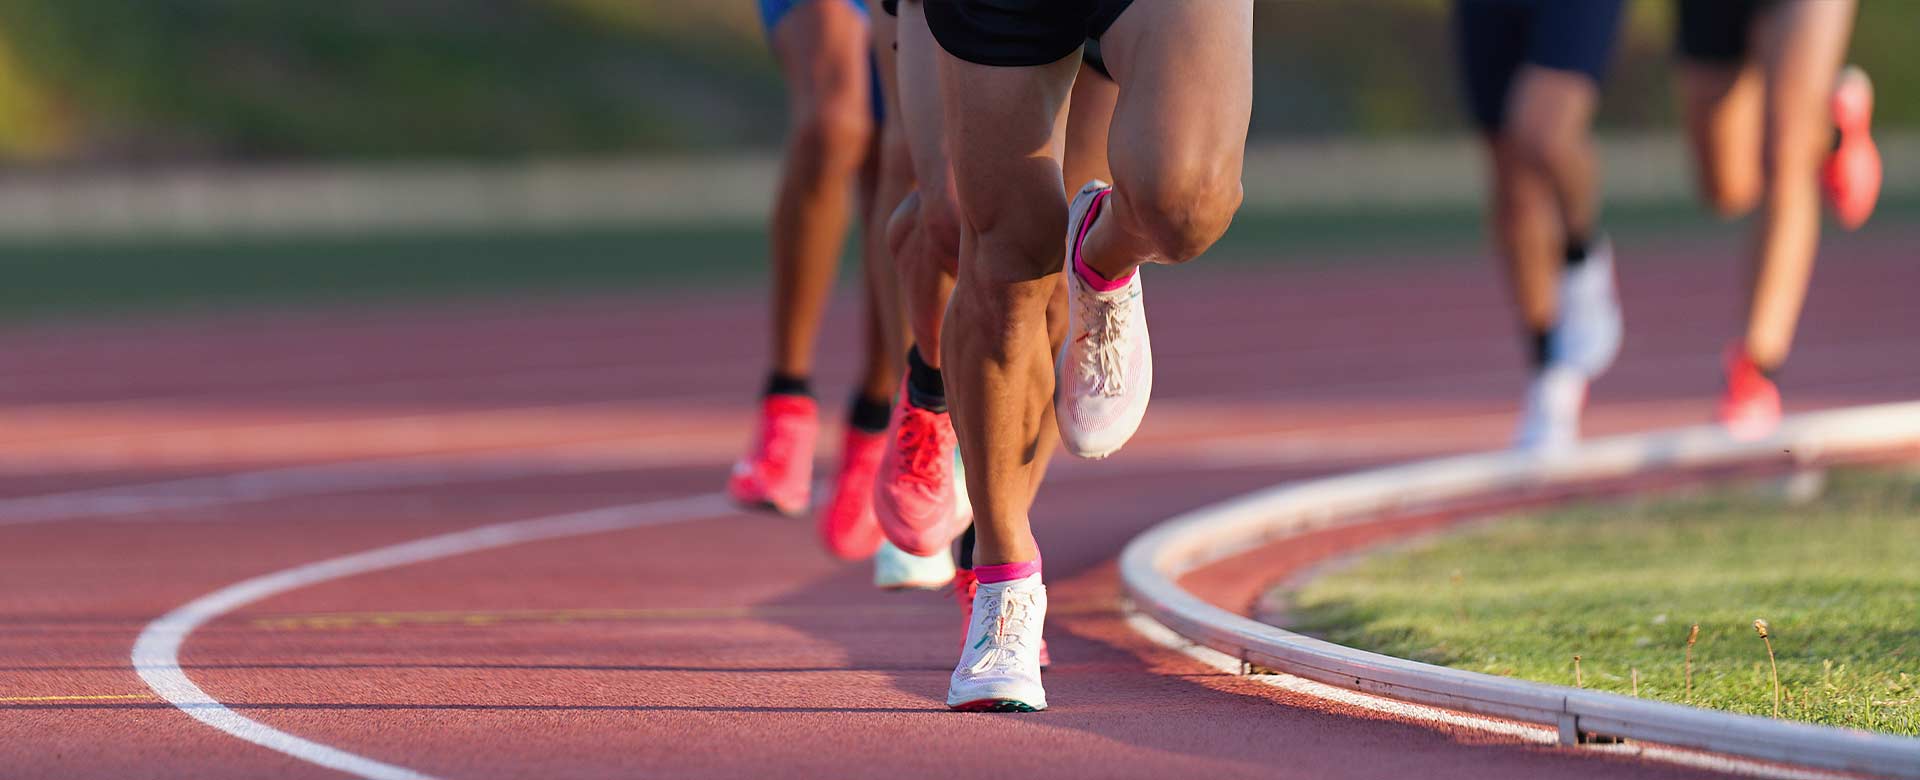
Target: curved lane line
x=156 y=654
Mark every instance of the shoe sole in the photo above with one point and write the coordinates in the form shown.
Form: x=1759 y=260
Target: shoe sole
x=769 y=507
x=993 y=705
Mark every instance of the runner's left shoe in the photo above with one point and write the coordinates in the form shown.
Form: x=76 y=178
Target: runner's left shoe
x=846 y=524
x=1550 y=421
x=1105 y=372
x=1852 y=173
x=777 y=473
x=999 y=669
x=1750 y=405
x=1587 y=337
x=897 y=569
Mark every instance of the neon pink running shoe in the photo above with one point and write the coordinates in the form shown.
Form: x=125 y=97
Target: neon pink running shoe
x=1851 y=176
x=914 y=496
x=1750 y=407
x=847 y=525
x=778 y=473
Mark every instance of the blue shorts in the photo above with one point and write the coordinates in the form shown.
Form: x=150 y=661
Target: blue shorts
x=1493 y=38
x=772 y=11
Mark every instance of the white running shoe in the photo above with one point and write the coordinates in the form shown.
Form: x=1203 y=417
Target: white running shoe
x=1550 y=422
x=1588 y=334
x=1105 y=372
x=897 y=569
x=999 y=669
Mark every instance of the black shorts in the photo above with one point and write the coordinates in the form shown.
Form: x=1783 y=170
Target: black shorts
x=1493 y=38
x=1089 y=53
x=1716 y=31
x=1019 y=33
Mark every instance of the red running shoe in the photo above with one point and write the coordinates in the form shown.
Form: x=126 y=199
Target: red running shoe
x=914 y=496
x=847 y=526
x=1750 y=408
x=778 y=473
x=1851 y=176
x=964 y=585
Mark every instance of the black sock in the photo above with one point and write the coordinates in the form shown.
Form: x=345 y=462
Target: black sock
x=782 y=384
x=869 y=416
x=1836 y=141
x=964 y=559
x=1577 y=247
x=926 y=388
x=1540 y=347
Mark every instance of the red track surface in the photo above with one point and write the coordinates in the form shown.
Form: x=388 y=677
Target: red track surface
x=729 y=646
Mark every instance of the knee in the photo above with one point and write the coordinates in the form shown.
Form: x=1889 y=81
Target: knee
x=940 y=229
x=834 y=132
x=1015 y=243
x=1184 y=213
x=1542 y=146
x=901 y=223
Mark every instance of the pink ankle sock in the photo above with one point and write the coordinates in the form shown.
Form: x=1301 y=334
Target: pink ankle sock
x=1004 y=572
x=1091 y=277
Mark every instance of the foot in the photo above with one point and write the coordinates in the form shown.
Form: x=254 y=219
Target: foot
x=999 y=669
x=847 y=525
x=1550 y=422
x=1588 y=335
x=777 y=473
x=895 y=569
x=1750 y=406
x=964 y=586
x=1851 y=176
x=1105 y=375
x=914 y=496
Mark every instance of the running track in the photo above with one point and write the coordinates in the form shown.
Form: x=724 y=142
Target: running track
x=144 y=465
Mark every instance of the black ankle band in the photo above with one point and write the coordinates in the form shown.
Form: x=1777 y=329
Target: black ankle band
x=1540 y=348
x=868 y=415
x=782 y=384
x=926 y=388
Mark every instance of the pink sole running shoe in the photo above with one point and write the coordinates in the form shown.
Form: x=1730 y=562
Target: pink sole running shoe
x=914 y=496
x=777 y=473
x=1851 y=176
x=847 y=526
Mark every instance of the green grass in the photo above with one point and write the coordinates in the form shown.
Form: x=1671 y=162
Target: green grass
x=1621 y=584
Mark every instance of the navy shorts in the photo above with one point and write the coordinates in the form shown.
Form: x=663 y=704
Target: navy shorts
x=772 y=11
x=1493 y=38
x=1019 y=33
x=1716 y=31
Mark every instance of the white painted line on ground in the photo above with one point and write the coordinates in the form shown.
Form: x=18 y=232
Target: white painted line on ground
x=156 y=653
x=1165 y=637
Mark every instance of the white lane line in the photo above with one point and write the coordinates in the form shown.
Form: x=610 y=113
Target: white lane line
x=1165 y=637
x=156 y=654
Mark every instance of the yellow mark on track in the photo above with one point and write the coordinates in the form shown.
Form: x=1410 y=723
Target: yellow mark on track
x=337 y=621
x=105 y=697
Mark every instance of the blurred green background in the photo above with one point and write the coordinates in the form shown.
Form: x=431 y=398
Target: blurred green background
x=243 y=80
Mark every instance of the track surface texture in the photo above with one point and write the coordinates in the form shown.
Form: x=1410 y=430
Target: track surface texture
x=146 y=464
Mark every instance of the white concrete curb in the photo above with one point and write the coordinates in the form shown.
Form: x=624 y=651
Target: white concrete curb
x=1153 y=563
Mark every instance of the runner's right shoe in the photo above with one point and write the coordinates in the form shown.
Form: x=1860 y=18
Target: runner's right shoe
x=777 y=473
x=1851 y=176
x=1750 y=405
x=1550 y=421
x=914 y=497
x=1105 y=373
x=999 y=668
x=896 y=569
x=846 y=523
x=1587 y=337
x=964 y=586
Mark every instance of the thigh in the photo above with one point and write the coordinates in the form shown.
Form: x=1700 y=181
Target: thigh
x=1490 y=39
x=1185 y=71
x=1800 y=47
x=825 y=52
x=1005 y=127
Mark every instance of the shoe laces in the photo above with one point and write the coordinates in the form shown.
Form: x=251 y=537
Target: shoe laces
x=1003 y=630
x=921 y=447
x=1104 y=342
